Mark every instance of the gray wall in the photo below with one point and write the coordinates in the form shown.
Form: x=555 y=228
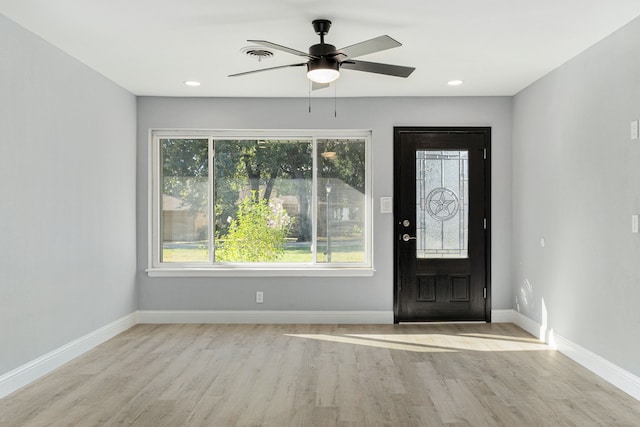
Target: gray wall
x=378 y=114
x=577 y=183
x=67 y=216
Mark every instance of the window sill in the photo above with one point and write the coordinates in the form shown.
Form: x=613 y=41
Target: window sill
x=261 y=272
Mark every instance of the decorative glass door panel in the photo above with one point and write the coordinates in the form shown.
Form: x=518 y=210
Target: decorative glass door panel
x=442 y=204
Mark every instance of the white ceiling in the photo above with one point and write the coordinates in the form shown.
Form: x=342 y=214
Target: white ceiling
x=149 y=47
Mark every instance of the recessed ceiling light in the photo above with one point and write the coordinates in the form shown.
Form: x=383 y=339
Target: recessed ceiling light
x=455 y=82
x=191 y=83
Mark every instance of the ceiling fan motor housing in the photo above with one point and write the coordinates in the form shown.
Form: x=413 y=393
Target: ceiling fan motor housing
x=321 y=49
x=323 y=63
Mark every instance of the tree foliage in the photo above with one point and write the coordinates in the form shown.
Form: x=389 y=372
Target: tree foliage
x=348 y=163
x=256 y=234
x=185 y=171
x=260 y=167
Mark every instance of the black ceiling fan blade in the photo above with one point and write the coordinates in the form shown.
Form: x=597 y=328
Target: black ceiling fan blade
x=376 y=67
x=318 y=86
x=282 y=48
x=267 y=69
x=369 y=46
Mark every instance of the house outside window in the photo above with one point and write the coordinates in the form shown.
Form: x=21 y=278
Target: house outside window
x=260 y=203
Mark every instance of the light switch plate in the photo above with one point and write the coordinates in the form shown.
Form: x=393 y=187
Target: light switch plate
x=634 y=130
x=386 y=204
x=634 y=223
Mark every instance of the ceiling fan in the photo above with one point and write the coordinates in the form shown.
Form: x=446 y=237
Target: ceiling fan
x=325 y=61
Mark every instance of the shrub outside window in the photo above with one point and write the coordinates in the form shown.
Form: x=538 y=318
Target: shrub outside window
x=233 y=201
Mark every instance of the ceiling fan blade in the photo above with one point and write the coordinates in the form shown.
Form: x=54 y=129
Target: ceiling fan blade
x=376 y=67
x=267 y=69
x=318 y=86
x=282 y=48
x=369 y=46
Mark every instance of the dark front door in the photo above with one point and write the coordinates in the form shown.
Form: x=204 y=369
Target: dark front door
x=441 y=215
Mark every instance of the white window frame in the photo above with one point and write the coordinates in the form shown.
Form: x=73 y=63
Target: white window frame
x=159 y=269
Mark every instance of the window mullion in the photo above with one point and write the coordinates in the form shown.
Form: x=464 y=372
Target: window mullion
x=370 y=202
x=211 y=202
x=154 y=202
x=314 y=201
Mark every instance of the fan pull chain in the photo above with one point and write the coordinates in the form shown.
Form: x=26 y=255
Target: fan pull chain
x=309 y=96
x=335 y=96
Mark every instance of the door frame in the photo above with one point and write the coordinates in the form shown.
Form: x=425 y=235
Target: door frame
x=397 y=131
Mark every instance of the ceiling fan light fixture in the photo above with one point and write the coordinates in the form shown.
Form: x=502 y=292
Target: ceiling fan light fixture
x=323 y=75
x=323 y=71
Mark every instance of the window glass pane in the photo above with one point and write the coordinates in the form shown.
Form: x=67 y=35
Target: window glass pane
x=263 y=201
x=442 y=204
x=184 y=203
x=341 y=201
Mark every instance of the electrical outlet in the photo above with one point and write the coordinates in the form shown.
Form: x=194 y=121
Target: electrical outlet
x=259 y=297
x=634 y=130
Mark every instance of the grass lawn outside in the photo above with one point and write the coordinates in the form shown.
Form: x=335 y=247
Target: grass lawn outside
x=293 y=253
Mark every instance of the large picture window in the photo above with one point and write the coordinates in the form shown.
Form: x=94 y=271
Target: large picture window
x=228 y=202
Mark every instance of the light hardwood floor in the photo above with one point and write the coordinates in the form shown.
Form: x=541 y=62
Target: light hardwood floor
x=321 y=375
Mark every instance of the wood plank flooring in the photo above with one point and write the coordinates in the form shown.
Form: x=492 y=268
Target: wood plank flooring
x=321 y=375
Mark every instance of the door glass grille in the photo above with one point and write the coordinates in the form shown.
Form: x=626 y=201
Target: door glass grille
x=442 y=204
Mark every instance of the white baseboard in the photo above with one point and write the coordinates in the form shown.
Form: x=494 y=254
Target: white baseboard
x=512 y=316
x=264 y=316
x=25 y=374
x=624 y=380
x=502 y=316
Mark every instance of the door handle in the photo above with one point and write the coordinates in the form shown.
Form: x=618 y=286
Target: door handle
x=406 y=237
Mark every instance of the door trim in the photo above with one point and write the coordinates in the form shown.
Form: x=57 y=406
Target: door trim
x=397 y=131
